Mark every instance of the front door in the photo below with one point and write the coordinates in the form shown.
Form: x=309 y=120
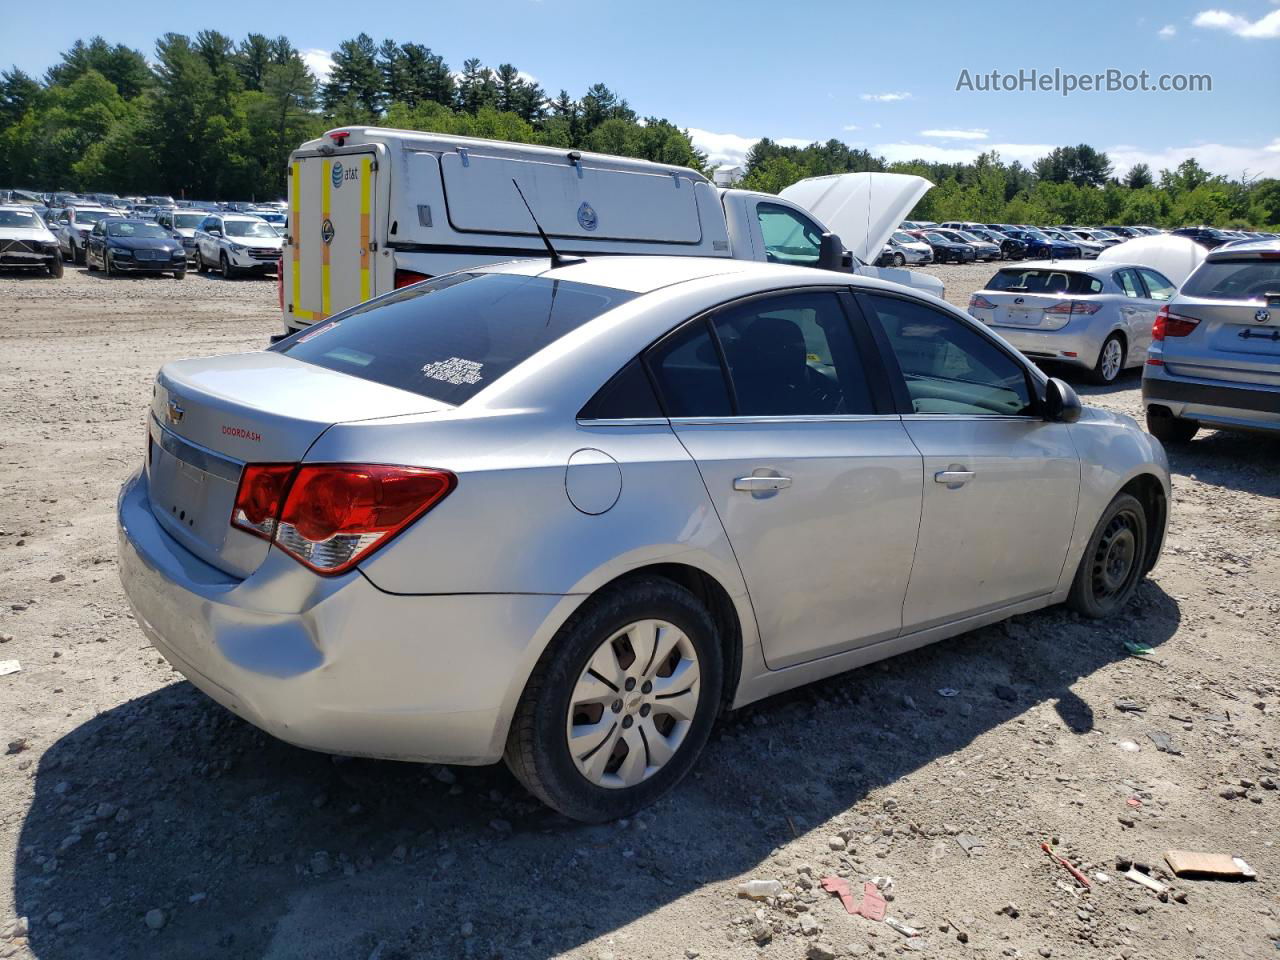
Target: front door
x=1000 y=483
x=812 y=474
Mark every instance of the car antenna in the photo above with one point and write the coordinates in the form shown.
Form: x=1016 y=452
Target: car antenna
x=556 y=259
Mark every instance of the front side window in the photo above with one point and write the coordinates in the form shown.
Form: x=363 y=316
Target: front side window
x=950 y=368
x=789 y=237
x=452 y=337
x=792 y=355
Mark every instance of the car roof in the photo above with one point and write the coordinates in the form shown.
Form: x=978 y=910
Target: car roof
x=1063 y=266
x=636 y=274
x=235 y=216
x=1245 y=246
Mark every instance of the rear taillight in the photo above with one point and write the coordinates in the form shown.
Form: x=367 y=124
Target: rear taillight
x=260 y=497
x=1172 y=325
x=977 y=302
x=1074 y=307
x=329 y=517
x=407 y=278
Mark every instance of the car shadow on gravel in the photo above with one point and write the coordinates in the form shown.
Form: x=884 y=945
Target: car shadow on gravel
x=168 y=827
x=1235 y=461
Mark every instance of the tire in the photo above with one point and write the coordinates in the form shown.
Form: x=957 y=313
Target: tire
x=201 y=265
x=78 y=255
x=89 y=263
x=106 y=263
x=228 y=271
x=1169 y=429
x=1113 y=561
x=180 y=274
x=1111 y=360
x=899 y=260
x=54 y=267
x=538 y=749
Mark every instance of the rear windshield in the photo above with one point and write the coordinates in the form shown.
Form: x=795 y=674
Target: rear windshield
x=448 y=339
x=190 y=221
x=1243 y=279
x=1044 y=281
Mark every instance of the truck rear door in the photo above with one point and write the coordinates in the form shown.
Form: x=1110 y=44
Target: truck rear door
x=328 y=253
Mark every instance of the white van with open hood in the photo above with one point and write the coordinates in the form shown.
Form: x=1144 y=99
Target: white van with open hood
x=373 y=209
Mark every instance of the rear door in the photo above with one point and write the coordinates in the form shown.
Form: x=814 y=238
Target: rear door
x=1138 y=310
x=1000 y=483
x=810 y=471
x=329 y=247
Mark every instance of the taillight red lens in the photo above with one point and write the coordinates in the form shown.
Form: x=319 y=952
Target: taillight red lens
x=1072 y=307
x=979 y=302
x=260 y=497
x=329 y=517
x=1172 y=325
x=407 y=278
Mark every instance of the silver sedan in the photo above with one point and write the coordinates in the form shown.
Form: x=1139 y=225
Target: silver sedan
x=567 y=516
x=1096 y=315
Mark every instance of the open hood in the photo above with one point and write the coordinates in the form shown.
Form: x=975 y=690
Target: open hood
x=1175 y=257
x=863 y=209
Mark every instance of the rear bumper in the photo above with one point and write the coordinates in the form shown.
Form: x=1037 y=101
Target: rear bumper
x=1066 y=345
x=1212 y=402
x=332 y=664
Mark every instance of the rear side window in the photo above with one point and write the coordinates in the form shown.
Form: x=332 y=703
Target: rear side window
x=448 y=339
x=1243 y=279
x=1033 y=280
x=686 y=366
x=627 y=396
x=1158 y=285
x=1128 y=282
x=793 y=355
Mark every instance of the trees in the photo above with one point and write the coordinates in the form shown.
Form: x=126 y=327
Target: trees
x=355 y=83
x=1138 y=177
x=1081 y=165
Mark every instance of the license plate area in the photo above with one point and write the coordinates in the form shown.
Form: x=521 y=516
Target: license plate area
x=192 y=491
x=1024 y=318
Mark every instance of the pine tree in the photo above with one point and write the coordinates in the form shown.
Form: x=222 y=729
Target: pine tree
x=355 y=82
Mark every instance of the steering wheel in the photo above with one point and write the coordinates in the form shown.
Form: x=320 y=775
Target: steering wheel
x=826 y=393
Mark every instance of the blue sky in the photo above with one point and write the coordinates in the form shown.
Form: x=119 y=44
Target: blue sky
x=883 y=78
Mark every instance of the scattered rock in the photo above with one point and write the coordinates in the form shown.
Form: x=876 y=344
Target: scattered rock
x=821 y=950
x=1005 y=692
x=156 y=918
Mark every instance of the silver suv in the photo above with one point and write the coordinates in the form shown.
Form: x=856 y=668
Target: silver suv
x=1215 y=351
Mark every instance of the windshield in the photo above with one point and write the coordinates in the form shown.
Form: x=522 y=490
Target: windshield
x=18 y=218
x=971 y=238
x=448 y=339
x=1242 y=279
x=1044 y=281
x=92 y=216
x=938 y=238
x=250 y=228
x=905 y=237
x=187 y=221
x=127 y=229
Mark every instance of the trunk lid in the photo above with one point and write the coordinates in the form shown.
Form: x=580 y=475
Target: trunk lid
x=1024 y=310
x=1234 y=341
x=211 y=416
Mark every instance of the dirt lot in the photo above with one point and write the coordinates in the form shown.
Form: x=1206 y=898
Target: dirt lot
x=138 y=819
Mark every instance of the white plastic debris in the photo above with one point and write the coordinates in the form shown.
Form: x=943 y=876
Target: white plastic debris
x=759 y=889
x=9 y=666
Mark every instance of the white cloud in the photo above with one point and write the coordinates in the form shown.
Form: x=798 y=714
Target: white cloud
x=319 y=62
x=1167 y=31
x=526 y=77
x=1226 y=159
x=886 y=97
x=977 y=133
x=1267 y=27
x=731 y=148
x=850 y=127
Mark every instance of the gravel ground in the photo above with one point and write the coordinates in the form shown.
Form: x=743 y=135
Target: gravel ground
x=138 y=819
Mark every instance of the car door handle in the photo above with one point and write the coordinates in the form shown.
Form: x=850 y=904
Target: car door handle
x=757 y=484
x=953 y=478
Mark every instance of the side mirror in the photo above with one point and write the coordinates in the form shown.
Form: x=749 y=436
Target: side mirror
x=830 y=252
x=1062 y=405
x=215 y=232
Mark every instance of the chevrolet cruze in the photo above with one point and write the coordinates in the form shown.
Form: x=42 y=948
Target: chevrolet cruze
x=566 y=516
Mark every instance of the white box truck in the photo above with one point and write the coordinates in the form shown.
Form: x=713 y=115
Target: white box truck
x=373 y=209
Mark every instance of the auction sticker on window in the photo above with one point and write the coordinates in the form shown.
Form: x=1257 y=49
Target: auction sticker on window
x=454 y=371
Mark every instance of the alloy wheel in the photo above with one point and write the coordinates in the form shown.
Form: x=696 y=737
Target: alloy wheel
x=633 y=704
x=1112 y=358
